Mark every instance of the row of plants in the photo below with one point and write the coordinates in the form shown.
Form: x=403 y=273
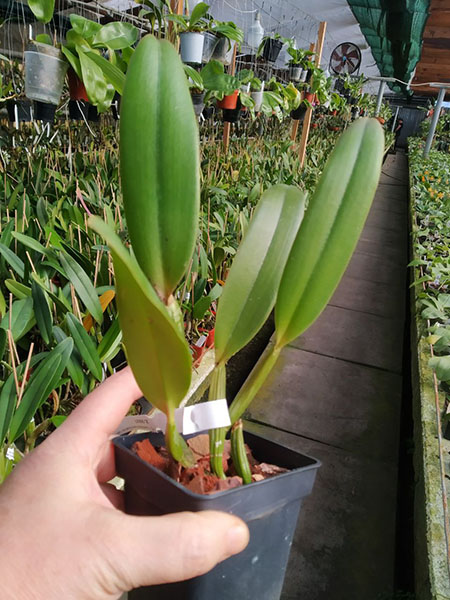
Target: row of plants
x=431 y=240
x=57 y=280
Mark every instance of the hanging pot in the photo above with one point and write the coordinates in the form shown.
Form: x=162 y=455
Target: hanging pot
x=257 y=99
x=272 y=49
x=45 y=71
x=44 y=111
x=299 y=113
x=19 y=110
x=270 y=508
x=198 y=102
x=295 y=72
x=191 y=47
x=229 y=102
x=76 y=86
x=209 y=44
x=223 y=52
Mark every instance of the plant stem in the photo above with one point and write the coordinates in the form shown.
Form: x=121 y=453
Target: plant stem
x=253 y=383
x=239 y=454
x=176 y=444
x=217 y=391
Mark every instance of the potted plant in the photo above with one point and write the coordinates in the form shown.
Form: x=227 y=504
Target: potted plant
x=196 y=88
x=228 y=34
x=192 y=33
x=257 y=92
x=303 y=261
x=270 y=47
x=298 y=62
x=45 y=70
x=84 y=46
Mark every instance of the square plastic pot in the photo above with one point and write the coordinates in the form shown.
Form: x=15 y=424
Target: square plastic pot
x=22 y=109
x=272 y=49
x=270 y=508
x=45 y=71
x=44 y=111
x=191 y=47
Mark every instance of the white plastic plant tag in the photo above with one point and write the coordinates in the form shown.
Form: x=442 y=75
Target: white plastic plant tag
x=201 y=341
x=10 y=453
x=191 y=419
x=201 y=417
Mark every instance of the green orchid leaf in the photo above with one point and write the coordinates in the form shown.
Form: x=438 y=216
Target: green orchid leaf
x=113 y=75
x=116 y=35
x=198 y=13
x=84 y=27
x=3 y=341
x=157 y=351
x=42 y=9
x=42 y=312
x=252 y=283
x=8 y=399
x=74 y=62
x=73 y=364
x=18 y=290
x=441 y=365
x=42 y=382
x=159 y=156
x=93 y=79
x=330 y=230
x=110 y=344
x=30 y=242
x=13 y=260
x=85 y=346
x=22 y=319
x=44 y=38
x=83 y=285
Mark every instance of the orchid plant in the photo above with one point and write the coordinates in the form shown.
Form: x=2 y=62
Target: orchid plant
x=284 y=260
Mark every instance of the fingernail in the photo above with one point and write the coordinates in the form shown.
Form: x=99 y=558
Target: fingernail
x=237 y=538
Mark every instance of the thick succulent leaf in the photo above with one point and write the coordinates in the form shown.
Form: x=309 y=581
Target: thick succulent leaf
x=93 y=79
x=330 y=230
x=159 y=161
x=252 y=283
x=112 y=74
x=157 y=351
x=44 y=379
x=42 y=9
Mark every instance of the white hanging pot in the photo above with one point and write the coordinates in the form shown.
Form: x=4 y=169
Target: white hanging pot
x=257 y=99
x=191 y=47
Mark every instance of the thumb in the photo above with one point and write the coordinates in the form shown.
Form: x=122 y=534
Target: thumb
x=174 y=547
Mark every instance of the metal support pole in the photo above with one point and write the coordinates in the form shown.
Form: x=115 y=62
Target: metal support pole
x=380 y=97
x=435 y=119
x=395 y=118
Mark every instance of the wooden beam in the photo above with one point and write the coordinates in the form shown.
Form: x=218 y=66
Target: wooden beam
x=308 y=115
x=438 y=18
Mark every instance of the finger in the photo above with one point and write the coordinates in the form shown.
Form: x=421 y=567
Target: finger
x=100 y=413
x=172 y=547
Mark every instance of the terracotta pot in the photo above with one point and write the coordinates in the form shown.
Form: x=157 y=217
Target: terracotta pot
x=76 y=87
x=310 y=97
x=229 y=102
x=380 y=120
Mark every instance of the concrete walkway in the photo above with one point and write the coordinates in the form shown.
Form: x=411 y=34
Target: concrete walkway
x=336 y=395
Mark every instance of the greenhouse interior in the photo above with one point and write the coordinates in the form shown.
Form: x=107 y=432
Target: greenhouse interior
x=224 y=300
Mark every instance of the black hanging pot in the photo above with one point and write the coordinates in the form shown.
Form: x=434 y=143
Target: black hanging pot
x=299 y=113
x=79 y=110
x=272 y=49
x=44 y=111
x=21 y=108
x=198 y=102
x=269 y=507
x=232 y=115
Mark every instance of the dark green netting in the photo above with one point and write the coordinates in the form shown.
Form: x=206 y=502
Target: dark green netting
x=394 y=31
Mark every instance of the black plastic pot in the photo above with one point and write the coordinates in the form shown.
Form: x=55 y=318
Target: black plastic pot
x=270 y=508
x=79 y=110
x=299 y=113
x=232 y=115
x=23 y=110
x=44 y=111
x=272 y=49
x=197 y=101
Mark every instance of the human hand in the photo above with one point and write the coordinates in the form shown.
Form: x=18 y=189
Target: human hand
x=62 y=533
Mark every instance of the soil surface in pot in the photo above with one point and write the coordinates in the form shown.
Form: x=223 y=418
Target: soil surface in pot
x=199 y=478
